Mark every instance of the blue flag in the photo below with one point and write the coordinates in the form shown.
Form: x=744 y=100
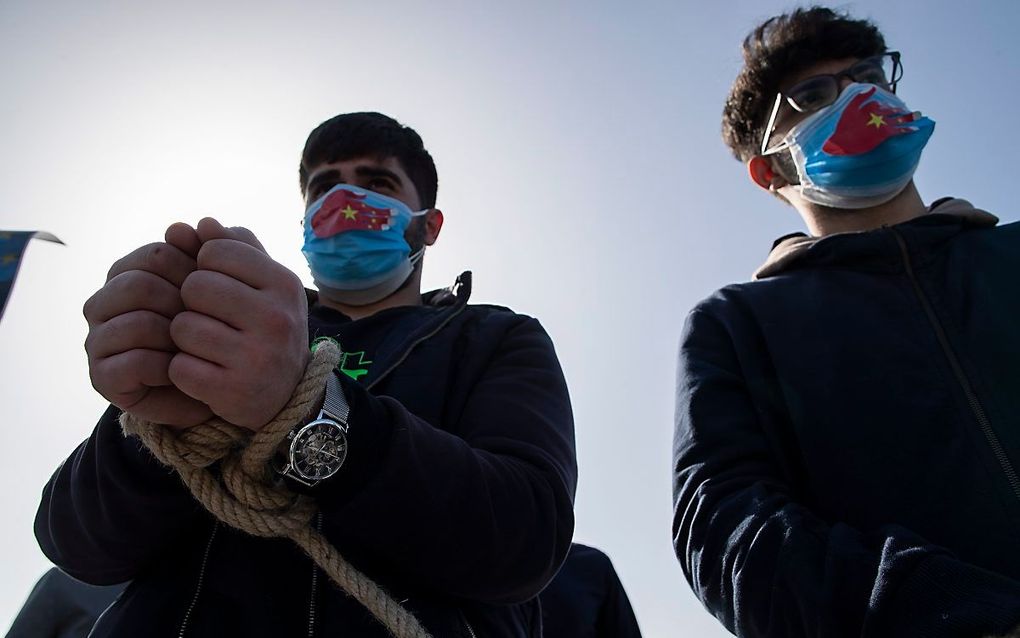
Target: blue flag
x=12 y=247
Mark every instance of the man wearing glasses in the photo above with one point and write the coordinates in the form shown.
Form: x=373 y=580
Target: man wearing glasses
x=847 y=445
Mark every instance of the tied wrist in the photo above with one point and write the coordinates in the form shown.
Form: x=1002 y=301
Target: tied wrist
x=199 y=447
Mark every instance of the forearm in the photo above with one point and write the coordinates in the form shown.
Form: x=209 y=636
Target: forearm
x=110 y=508
x=480 y=506
x=491 y=522
x=765 y=563
x=766 y=566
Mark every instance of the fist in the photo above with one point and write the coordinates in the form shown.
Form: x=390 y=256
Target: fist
x=243 y=334
x=129 y=345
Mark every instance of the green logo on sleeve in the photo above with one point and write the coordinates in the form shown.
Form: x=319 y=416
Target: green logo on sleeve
x=354 y=365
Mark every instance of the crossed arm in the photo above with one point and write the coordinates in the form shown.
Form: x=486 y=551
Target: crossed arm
x=765 y=564
x=206 y=323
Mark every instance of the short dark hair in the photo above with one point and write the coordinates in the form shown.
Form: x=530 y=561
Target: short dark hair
x=352 y=135
x=781 y=46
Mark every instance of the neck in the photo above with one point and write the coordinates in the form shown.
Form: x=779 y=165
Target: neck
x=407 y=295
x=822 y=220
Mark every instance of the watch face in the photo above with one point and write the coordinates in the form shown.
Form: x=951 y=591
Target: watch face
x=318 y=450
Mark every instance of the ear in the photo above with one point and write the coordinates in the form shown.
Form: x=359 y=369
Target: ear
x=433 y=224
x=760 y=170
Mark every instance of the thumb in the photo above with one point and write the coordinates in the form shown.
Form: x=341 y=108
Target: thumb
x=209 y=228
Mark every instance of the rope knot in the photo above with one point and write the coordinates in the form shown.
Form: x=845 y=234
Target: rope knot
x=247 y=496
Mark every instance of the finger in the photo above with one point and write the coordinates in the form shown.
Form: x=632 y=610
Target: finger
x=130 y=291
x=209 y=228
x=222 y=297
x=197 y=377
x=226 y=395
x=138 y=329
x=242 y=262
x=169 y=406
x=206 y=338
x=169 y=262
x=124 y=377
x=184 y=238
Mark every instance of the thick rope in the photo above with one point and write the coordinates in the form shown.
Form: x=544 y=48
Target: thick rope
x=247 y=497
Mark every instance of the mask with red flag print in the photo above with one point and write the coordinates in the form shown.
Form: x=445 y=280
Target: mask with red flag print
x=355 y=246
x=860 y=151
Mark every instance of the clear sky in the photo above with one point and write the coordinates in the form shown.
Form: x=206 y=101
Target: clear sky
x=582 y=178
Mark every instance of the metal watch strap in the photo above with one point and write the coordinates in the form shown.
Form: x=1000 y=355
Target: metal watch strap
x=335 y=405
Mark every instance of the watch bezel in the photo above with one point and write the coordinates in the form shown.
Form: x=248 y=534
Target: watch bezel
x=338 y=433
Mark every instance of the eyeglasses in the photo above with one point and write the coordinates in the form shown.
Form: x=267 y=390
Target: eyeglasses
x=819 y=91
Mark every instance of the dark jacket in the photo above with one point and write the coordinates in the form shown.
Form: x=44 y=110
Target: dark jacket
x=587 y=599
x=848 y=435
x=62 y=607
x=456 y=497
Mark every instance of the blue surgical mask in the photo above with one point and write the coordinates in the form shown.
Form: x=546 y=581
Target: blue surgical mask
x=859 y=152
x=355 y=246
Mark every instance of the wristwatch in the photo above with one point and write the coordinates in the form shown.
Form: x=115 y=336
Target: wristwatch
x=317 y=450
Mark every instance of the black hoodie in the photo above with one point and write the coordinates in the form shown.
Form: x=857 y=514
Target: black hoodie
x=456 y=496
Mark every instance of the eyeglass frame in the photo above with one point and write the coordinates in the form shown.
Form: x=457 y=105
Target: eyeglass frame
x=897 y=73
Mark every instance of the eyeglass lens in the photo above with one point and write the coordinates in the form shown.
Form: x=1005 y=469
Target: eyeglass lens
x=822 y=90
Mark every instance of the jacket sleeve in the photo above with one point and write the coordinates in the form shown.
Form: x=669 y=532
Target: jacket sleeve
x=616 y=616
x=764 y=564
x=111 y=508
x=485 y=514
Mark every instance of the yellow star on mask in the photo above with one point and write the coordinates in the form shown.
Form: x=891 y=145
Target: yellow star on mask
x=877 y=120
x=10 y=258
x=349 y=213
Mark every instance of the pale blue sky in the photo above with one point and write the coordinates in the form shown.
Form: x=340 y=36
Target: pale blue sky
x=581 y=174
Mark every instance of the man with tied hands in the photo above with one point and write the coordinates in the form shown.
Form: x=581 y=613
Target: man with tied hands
x=848 y=424
x=455 y=491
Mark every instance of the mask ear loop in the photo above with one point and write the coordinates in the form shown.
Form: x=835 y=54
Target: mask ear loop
x=416 y=256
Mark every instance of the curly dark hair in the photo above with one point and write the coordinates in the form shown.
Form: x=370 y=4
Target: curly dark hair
x=781 y=46
x=352 y=135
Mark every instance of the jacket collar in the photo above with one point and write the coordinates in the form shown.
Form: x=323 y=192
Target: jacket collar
x=799 y=249
x=447 y=302
x=455 y=295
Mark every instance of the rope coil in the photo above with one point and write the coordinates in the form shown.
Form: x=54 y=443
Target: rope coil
x=247 y=497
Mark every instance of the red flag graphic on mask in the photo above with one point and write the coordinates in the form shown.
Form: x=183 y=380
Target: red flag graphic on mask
x=864 y=125
x=343 y=211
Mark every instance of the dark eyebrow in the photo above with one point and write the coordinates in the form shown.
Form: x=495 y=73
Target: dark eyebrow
x=330 y=175
x=376 y=171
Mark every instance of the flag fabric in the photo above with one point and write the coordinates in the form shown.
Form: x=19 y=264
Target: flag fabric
x=345 y=210
x=12 y=247
x=866 y=143
x=867 y=122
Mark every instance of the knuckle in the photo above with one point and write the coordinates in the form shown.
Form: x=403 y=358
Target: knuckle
x=88 y=309
x=181 y=327
x=210 y=250
x=192 y=286
x=277 y=322
x=155 y=256
x=293 y=283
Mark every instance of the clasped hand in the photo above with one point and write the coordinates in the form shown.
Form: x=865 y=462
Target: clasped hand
x=204 y=323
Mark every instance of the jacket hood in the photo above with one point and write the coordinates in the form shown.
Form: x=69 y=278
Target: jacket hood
x=797 y=247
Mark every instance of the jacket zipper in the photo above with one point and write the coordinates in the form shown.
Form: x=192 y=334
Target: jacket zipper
x=201 y=579
x=318 y=521
x=414 y=345
x=315 y=583
x=961 y=377
x=467 y=625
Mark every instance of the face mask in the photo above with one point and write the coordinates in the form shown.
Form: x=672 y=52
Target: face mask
x=355 y=246
x=860 y=151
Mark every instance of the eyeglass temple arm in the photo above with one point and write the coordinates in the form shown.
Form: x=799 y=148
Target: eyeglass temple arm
x=772 y=122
